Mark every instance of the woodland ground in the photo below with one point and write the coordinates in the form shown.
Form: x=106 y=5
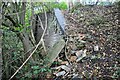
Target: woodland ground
x=92 y=49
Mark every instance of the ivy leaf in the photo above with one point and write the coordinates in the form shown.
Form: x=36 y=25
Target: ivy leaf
x=43 y=70
x=36 y=72
x=35 y=67
x=17 y=28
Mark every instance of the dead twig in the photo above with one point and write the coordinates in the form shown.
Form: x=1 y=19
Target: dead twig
x=66 y=52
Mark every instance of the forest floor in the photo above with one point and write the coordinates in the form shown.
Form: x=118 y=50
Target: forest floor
x=92 y=46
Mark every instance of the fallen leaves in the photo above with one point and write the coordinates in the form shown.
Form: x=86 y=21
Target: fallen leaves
x=81 y=54
x=73 y=58
x=87 y=74
x=96 y=48
x=91 y=45
x=60 y=73
x=81 y=36
x=64 y=63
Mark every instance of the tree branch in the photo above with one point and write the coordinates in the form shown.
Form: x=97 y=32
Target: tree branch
x=13 y=22
x=31 y=53
x=12 y=29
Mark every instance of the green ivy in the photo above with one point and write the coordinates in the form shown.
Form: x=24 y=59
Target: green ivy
x=35 y=67
x=63 y=5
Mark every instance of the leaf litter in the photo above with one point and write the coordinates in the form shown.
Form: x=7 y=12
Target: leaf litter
x=92 y=47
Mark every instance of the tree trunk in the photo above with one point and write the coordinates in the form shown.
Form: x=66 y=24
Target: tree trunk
x=24 y=36
x=26 y=42
x=1 y=61
x=119 y=13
